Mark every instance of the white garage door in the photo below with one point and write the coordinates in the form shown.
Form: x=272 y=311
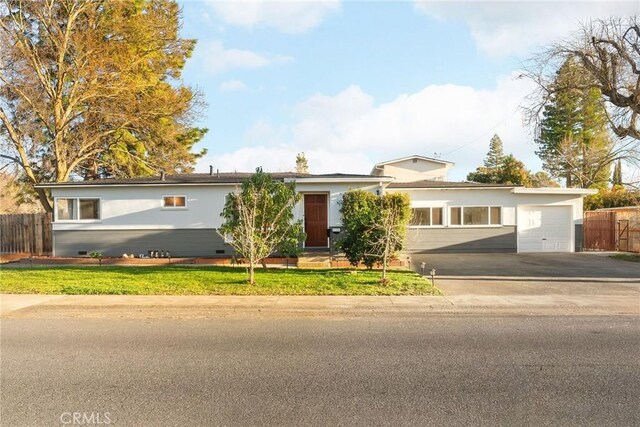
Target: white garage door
x=545 y=229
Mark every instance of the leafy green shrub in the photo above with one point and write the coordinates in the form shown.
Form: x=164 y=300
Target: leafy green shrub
x=375 y=226
x=616 y=197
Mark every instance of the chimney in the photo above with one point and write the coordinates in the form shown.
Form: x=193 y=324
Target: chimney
x=217 y=173
x=162 y=176
x=210 y=169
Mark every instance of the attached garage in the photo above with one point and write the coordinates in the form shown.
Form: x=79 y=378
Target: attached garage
x=545 y=229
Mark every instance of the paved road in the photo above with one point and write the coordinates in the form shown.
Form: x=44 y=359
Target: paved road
x=376 y=370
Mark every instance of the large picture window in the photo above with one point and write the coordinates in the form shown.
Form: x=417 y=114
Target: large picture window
x=476 y=215
x=423 y=217
x=74 y=209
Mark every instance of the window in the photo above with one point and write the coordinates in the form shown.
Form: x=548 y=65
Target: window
x=496 y=215
x=476 y=215
x=77 y=209
x=456 y=217
x=66 y=209
x=426 y=216
x=89 y=209
x=174 y=201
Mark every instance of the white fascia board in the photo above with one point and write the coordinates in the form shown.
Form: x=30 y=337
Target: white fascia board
x=339 y=180
x=551 y=190
x=165 y=184
x=448 y=188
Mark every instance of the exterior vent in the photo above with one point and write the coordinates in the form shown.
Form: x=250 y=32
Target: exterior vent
x=82 y=252
x=219 y=251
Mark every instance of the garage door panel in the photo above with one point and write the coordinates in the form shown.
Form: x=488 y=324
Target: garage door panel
x=544 y=229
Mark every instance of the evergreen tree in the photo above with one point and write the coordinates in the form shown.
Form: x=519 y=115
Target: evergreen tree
x=495 y=156
x=617 y=174
x=542 y=179
x=500 y=169
x=302 y=165
x=574 y=141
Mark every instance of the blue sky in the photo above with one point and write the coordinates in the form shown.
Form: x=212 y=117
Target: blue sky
x=354 y=83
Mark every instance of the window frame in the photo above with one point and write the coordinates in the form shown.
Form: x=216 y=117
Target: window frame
x=431 y=224
x=76 y=203
x=463 y=225
x=174 y=208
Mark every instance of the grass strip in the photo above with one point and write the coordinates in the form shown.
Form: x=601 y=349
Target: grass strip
x=183 y=280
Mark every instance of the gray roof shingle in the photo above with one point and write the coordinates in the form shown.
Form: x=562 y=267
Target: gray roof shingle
x=201 y=178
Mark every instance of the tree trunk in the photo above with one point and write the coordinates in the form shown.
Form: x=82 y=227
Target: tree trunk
x=384 y=270
x=252 y=279
x=44 y=200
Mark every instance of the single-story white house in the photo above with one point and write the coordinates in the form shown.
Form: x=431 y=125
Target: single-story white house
x=180 y=213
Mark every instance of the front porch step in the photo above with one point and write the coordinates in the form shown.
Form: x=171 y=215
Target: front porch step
x=315 y=260
x=314 y=264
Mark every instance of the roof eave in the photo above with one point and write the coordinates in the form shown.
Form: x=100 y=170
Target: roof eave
x=553 y=190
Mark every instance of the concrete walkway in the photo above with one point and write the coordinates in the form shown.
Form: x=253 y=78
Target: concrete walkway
x=161 y=306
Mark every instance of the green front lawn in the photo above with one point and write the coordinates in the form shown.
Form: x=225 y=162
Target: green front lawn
x=176 y=280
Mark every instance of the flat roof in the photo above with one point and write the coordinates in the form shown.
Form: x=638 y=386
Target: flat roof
x=445 y=184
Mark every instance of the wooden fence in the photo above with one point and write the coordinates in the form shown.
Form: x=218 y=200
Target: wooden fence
x=612 y=230
x=26 y=233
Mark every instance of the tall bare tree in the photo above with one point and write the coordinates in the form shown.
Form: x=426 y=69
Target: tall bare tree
x=608 y=53
x=90 y=88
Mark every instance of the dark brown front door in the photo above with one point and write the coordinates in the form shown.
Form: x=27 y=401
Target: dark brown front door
x=315 y=220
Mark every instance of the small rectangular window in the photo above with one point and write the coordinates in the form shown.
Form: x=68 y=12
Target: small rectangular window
x=72 y=209
x=436 y=216
x=89 y=209
x=174 y=201
x=456 y=217
x=66 y=210
x=496 y=215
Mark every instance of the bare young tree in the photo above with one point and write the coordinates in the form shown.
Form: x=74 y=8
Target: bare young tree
x=389 y=231
x=259 y=220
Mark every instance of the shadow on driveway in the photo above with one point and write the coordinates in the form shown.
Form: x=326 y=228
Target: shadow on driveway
x=583 y=265
x=589 y=274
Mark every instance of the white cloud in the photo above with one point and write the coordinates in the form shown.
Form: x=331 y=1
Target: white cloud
x=514 y=27
x=232 y=86
x=295 y=16
x=217 y=59
x=347 y=132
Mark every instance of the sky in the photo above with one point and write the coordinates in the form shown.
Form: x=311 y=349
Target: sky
x=354 y=83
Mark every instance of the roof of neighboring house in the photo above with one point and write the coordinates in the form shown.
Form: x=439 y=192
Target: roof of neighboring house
x=205 y=178
x=445 y=184
x=415 y=156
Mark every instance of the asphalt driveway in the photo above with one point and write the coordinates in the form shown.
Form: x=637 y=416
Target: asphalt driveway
x=584 y=273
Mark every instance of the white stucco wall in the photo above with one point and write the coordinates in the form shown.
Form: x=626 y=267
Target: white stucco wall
x=490 y=197
x=407 y=171
x=140 y=207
